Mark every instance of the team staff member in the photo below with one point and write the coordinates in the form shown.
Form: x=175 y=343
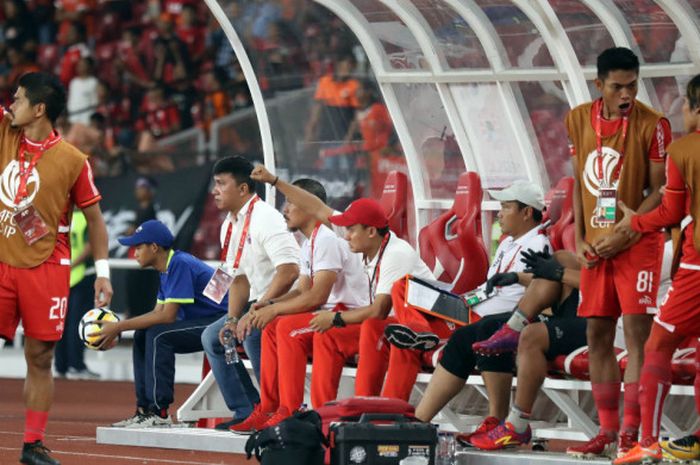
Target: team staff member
x=174 y=326
x=332 y=278
x=46 y=177
x=618 y=146
x=263 y=257
x=360 y=330
x=520 y=217
x=679 y=316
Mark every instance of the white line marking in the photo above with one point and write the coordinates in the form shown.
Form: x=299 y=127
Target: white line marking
x=120 y=457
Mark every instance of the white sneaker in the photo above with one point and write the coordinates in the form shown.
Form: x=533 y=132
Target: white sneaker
x=84 y=374
x=150 y=420
x=128 y=421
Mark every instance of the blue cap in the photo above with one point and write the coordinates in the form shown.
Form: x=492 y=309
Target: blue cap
x=150 y=232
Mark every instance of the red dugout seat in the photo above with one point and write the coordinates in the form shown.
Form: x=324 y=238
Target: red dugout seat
x=394 y=200
x=560 y=211
x=452 y=245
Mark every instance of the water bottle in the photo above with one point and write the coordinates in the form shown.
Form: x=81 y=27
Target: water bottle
x=230 y=352
x=446 y=449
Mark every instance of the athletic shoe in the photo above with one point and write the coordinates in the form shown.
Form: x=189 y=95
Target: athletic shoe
x=36 y=453
x=626 y=442
x=502 y=341
x=685 y=448
x=253 y=423
x=487 y=425
x=281 y=414
x=226 y=425
x=85 y=374
x=502 y=436
x=601 y=445
x=128 y=421
x=404 y=337
x=640 y=455
x=150 y=420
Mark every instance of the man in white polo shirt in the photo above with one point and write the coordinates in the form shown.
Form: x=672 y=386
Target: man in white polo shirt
x=262 y=257
x=341 y=335
x=332 y=278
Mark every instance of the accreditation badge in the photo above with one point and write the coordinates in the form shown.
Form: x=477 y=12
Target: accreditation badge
x=30 y=222
x=606 y=206
x=218 y=285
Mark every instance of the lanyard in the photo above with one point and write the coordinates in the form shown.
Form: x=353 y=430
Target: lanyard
x=244 y=235
x=510 y=263
x=313 y=243
x=24 y=173
x=599 y=148
x=377 y=267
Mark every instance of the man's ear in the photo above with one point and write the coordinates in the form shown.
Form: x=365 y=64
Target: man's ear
x=39 y=109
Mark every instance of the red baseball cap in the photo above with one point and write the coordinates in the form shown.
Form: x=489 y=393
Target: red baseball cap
x=367 y=212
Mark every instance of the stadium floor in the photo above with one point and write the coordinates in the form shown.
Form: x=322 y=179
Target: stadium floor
x=79 y=407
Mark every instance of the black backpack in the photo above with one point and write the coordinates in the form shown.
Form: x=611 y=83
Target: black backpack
x=297 y=440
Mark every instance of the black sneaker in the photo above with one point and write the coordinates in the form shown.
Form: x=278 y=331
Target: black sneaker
x=404 y=337
x=36 y=453
x=226 y=425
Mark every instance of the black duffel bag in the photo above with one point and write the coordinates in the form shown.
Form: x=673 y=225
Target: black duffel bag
x=297 y=440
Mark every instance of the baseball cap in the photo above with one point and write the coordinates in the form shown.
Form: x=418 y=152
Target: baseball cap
x=521 y=191
x=147 y=182
x=150 y=232
x=362 y=211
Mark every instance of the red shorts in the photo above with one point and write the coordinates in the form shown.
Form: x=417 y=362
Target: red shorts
x=38 y=296
x=680 y=309
x=626 y=284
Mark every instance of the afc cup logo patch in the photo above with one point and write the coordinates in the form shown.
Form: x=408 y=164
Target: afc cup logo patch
x=591 y=172
x=9 y=184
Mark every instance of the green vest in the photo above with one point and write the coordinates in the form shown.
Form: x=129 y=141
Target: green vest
x=78 y=228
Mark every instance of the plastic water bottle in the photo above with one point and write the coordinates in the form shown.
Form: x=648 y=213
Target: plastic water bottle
x=230 y=352
x=446 y=449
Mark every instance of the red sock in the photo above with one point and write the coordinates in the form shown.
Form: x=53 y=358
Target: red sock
x=607 y=401
x=630 y=414
x=697 y=384
x=35 y=425
x=655 y=383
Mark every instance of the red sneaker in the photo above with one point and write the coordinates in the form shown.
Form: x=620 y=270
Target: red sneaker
x=487 y=425
x=254 y=422
x=640 y=454
x=601 y=445
x=276 y=417
x=502 y=341
x=626 y=442
x=502 y=436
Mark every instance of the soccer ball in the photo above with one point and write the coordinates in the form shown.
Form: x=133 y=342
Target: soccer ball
x=86 y=326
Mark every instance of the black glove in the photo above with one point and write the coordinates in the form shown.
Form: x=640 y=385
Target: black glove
x=542 y=265
x=501 y=279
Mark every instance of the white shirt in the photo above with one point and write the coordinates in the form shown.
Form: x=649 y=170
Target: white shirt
x=507 y=259
x=331 y=253
x=82 y=99
x=269 y=244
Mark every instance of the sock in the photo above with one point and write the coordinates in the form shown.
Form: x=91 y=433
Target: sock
x=607 y=400
x=630 y=414
x=518 y=419
x=518 y=320
x=655 y=383
x=163 y=413
x=35 y=425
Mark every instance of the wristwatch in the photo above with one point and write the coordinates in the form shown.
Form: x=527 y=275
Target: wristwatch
x=338 y=320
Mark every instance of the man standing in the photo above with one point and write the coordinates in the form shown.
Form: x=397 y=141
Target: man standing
x=46 y=176
x=618 y=146
x=174 y=326
x=679 y=317
x=261 y=263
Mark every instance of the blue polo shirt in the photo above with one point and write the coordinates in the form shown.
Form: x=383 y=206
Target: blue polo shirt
x=183 y=282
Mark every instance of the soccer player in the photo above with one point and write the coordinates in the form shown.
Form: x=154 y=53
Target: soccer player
x=262 y=257
x=174 y=326
x=360 y=330
x=46 y=176
x=332 y=278
x=520 y=217
x=618 y=146
x=679 y=317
